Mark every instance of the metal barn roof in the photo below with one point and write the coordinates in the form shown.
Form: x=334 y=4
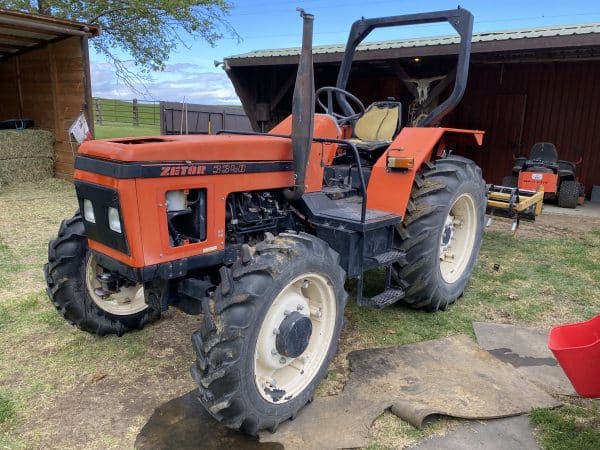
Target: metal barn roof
x=21 y=32
x=560 y=35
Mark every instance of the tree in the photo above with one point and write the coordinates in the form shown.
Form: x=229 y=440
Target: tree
x=147 y=30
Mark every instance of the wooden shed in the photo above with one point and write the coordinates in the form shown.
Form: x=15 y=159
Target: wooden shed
x=45 y=76
x=525 y=86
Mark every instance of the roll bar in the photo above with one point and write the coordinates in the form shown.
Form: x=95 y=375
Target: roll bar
x=460 y=19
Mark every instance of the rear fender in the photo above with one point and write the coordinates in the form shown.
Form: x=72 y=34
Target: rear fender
x=389 y=190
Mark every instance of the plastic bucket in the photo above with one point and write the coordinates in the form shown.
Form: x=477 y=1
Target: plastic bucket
x=576 y=346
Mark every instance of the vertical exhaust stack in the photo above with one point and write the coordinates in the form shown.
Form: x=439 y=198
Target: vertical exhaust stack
x=303 y=109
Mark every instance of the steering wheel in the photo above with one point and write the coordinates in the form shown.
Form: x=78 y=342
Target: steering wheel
x=342 y=96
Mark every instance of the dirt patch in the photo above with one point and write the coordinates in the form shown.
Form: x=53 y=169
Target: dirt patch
x=107 y=409
x=549 y=226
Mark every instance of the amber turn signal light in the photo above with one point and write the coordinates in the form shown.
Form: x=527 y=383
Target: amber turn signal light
x=400 y=162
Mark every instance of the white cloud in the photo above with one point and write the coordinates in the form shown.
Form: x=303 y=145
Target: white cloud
x=177 y=81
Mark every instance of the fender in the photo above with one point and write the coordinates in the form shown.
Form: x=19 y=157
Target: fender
x=390 y=190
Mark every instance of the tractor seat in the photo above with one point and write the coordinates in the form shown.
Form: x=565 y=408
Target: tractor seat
x=544 y=151
x=378 y=126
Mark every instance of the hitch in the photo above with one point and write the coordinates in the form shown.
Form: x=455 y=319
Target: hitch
x=514 y=203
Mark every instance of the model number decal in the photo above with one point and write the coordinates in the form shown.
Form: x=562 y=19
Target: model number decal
x=197 y=169
x=218 y=169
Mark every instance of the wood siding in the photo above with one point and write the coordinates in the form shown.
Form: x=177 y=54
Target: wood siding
x=52 y=87
x=521 y=104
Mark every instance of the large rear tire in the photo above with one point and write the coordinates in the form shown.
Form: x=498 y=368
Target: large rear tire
x=247 y=378
x=441 y=233
x=71 y=279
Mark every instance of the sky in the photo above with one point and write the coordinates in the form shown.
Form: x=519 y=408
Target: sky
x=190 y=74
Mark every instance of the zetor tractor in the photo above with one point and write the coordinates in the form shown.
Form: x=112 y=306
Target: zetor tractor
x=259 y=232
x=543 y=169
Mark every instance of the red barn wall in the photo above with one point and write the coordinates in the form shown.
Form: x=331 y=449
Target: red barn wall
x=521 y=104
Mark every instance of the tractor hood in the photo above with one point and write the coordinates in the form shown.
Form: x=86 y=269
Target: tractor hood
x=194 y=148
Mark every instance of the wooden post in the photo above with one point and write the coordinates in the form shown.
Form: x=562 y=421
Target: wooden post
x=98 y=111
x=136 y=113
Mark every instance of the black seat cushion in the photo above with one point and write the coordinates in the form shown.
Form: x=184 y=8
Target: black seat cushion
x=544 y=151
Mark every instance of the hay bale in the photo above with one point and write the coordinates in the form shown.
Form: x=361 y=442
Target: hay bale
x=28 y=143
x=25 y=169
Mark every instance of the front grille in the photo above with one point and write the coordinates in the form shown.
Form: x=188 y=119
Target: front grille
x=102 y=198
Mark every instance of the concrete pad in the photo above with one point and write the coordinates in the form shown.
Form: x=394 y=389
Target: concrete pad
x=526 y=349
x=513 y=433
x=588 y=209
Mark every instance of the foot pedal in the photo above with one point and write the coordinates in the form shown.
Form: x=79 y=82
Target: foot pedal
x=389 y=257
x=386 y=298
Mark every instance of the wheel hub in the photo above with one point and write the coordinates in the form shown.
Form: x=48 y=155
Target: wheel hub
x=294 y=333
x=458 y=238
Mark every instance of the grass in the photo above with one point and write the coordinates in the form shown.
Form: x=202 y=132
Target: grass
x=575 y=426
x=55 y=377
x=117 y=118
x=117 y=130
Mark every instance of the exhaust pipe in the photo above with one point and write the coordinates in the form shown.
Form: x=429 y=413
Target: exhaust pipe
x=303 y=109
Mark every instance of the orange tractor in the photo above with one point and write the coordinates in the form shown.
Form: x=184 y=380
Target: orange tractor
x=258 y=232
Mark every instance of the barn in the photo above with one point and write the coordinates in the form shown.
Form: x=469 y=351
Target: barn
x=44 y=85
x=525 y=86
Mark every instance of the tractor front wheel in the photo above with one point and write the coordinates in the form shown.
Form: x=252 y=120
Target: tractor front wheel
x=441 y=233
x=72 y=279
x=273 y=328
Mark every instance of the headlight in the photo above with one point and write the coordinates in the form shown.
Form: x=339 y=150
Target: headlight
x=88 y=211
x=114 y=221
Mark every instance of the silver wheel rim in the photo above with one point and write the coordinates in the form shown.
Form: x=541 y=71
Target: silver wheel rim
x=458 y=238
x=278 y=378
x=128 y=301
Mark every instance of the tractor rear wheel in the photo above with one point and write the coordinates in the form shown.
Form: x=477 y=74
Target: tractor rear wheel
x=71 y=276
x=441 y=233
x=568 y=194
x=272 y=328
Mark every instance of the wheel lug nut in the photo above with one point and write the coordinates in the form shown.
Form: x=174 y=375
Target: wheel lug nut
x=276 y=331
x=299 y=307
x=274 y=352
x=282 y=360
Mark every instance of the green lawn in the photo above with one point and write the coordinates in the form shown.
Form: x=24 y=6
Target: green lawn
x=116 y=130
x=63 y=388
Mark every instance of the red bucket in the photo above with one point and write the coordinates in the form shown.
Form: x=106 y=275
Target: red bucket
x=576 y=346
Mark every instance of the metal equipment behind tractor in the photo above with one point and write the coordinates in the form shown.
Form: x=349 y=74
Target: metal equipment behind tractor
x=259 y=232
x=557 y=178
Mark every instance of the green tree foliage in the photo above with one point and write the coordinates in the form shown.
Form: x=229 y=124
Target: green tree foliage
x=147 y=30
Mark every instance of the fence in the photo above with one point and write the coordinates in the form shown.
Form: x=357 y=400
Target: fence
x=181 y=118
x=123 y=111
